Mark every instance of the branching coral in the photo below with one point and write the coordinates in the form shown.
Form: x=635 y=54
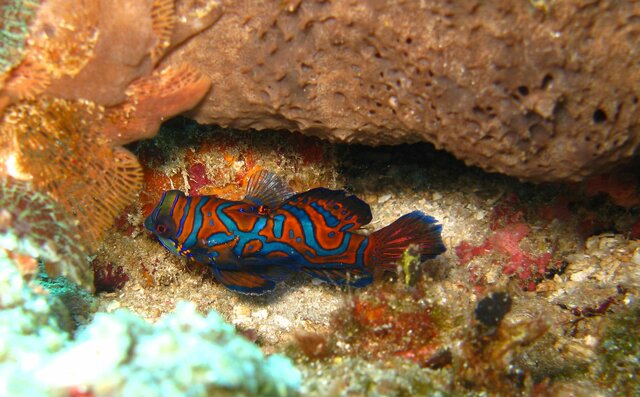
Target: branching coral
x=30 y=331
x=182 y=354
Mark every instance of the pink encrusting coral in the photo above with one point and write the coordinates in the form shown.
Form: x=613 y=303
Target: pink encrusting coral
x=507 y=211
x=526 y=266
x=507 y=222
x=506 y=242
x=197 y=178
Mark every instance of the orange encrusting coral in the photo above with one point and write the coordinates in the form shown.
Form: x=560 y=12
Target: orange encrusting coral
x=153 y=99
x=101 y=93
x=55 y=143
x=61 y=42
x=27 y=80
x=390 y=320
x=64 y=36
x=163 y=19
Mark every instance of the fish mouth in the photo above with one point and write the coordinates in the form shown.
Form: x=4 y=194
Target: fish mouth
x=169 y=245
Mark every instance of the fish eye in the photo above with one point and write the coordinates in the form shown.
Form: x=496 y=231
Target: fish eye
x=161 y=228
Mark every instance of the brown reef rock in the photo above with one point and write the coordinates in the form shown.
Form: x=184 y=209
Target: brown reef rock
x=542 y=90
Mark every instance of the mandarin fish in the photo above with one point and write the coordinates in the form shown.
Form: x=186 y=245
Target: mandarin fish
x=253 y=244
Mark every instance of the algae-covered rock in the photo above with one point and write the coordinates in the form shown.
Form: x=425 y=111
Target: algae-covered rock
x=621 y=353
x=357 y=377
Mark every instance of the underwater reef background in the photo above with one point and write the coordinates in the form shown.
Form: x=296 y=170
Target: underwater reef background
x=537 y=293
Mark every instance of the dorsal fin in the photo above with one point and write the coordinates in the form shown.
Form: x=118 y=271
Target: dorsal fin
x=268 y=189
x=337 y=208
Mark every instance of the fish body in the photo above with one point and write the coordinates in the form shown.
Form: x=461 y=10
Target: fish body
x=253 y=244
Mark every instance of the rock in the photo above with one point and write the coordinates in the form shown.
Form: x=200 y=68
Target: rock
x=538 y=90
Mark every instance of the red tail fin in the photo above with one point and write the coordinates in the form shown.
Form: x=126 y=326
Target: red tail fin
x=388 y=243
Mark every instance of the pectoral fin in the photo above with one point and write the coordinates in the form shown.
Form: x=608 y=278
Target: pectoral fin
x=244 y=282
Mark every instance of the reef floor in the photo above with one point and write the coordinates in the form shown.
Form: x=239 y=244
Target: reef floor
x=557 y=268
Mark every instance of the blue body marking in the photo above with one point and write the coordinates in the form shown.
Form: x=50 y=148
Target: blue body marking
x=173 y=205
x=308 y=230
x=192 y=239
x=278 y=222
x=184 y=217
x=329 y=219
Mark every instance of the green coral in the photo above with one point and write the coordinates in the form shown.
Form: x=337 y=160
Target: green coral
x=15 y=18
x=32 y=223
x=30 y=331
x=184 y=354
x=78 y=301
x=621 y=353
